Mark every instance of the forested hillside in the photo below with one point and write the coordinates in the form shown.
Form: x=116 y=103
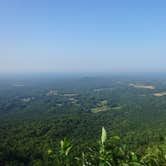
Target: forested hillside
x=50 y=121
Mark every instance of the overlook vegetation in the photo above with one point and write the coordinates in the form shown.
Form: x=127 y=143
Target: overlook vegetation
x=58 y=122
x=110 y=152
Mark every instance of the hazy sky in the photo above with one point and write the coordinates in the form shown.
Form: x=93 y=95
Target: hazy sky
x=82 y=35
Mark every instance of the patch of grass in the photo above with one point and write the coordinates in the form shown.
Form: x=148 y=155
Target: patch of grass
x=159 y=94
x=70 y=94
x=150 y=87
x=102 y=106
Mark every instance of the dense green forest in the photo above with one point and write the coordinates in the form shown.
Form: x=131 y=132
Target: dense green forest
x=58 y=121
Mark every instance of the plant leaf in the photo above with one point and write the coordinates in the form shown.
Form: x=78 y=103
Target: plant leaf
x=103 y=135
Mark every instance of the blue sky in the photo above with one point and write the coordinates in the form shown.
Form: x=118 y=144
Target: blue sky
x=83 y=36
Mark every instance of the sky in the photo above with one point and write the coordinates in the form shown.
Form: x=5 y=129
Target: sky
x=82 y=36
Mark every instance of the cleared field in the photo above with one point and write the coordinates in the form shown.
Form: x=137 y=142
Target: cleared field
x=99 y=109
x=150 y=87
x=52 y=93
x=70 y=94
x=159 y=94
x=102 y=106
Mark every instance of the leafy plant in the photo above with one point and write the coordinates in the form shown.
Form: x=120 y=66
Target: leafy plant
x=111 y=153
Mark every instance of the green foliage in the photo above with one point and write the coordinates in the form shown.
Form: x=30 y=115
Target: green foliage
x=35 y=117
x=117 y=155
x=65 y=147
